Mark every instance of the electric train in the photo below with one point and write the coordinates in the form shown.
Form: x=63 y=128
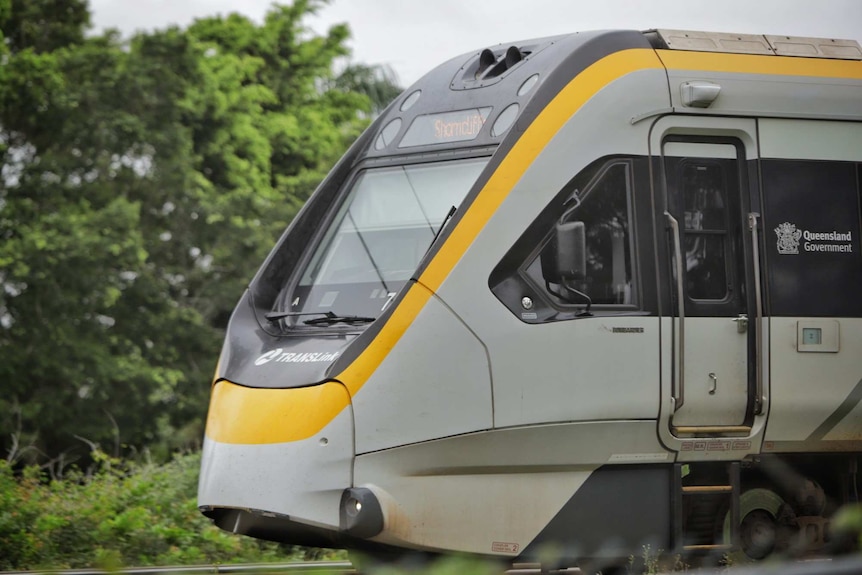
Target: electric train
x=583 y=293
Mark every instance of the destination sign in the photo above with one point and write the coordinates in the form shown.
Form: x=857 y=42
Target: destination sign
x=457 y=126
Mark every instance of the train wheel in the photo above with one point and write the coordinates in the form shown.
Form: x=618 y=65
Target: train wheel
x=758 y=530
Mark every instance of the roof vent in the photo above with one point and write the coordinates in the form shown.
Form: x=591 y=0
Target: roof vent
x=486 y=60
x=505 y=62
x=489 y=66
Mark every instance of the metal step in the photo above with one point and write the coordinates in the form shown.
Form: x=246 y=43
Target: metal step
x=695 y=532
x=723 y=430
x=707 y=547
x=706 y=489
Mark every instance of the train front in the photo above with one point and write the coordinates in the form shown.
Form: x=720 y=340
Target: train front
x=280 y=442
x=279 y=445
x=346 y=371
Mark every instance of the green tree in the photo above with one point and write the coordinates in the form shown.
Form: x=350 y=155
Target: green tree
x=44 y=25
x=144 y=181
x=379 y=83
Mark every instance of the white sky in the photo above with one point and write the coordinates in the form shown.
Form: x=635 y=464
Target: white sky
x=413 y=36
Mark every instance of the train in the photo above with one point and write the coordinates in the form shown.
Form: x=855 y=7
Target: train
x=575 y=295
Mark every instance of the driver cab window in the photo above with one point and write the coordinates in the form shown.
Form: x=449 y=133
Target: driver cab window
x=587 y=256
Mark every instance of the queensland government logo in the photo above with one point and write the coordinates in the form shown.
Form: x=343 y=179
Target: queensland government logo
x=832 y=241
x=788 y=238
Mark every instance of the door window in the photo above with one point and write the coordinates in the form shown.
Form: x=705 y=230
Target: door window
x=706 y=227
x=703 y=194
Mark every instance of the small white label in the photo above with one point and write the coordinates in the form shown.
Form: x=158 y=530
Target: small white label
x=504 y=547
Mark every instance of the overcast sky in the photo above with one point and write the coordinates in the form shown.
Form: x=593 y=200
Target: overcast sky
x=413 y=36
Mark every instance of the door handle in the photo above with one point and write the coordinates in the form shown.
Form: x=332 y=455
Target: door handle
x=678 y=392
x=759 y=398
x=741 y=323
x=714 y=383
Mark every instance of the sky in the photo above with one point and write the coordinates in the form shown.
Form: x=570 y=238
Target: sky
x=413 y=36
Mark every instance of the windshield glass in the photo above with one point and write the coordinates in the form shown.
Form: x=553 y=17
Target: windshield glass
x=380 y=233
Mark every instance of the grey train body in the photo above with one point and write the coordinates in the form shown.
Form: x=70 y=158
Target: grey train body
x=581 y=293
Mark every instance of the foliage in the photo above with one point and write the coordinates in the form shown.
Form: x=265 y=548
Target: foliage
x=143 y=182
x=44 y=25
x=122 y=515
x=379 y=83
x=848 y=524
x=446 y=565
x=653 y=562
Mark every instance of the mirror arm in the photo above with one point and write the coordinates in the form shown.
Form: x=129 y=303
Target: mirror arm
x=580 y=294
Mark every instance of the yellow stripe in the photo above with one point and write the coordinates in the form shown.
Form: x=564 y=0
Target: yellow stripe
x=750 y=64
x=583 y=87
x=360 y=369
x=246 y=415
x=564 y=105
x=254 y=416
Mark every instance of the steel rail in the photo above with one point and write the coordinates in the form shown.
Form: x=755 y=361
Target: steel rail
x=320 y=567
x=847 y=565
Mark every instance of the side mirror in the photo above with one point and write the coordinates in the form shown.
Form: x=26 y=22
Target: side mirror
x=564 y=257
x=571 y=250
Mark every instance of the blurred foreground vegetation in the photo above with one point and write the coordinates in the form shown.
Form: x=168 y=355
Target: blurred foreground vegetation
x=121 y=514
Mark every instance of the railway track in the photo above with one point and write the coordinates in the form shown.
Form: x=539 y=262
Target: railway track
x=317 y=567
x=851 y=565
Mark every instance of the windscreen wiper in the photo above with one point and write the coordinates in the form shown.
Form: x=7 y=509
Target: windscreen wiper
x=274 y=316
x=330 y=318
x=448 y=217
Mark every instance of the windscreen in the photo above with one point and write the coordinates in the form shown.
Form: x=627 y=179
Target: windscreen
x=379 y=234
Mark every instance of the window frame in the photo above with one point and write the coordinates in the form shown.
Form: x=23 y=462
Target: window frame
x=731 y=273
x=291 y=282
x=589 y=188
x=511 y=280
x=738 y=297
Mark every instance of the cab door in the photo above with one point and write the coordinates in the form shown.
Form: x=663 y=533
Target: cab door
x=712 y=280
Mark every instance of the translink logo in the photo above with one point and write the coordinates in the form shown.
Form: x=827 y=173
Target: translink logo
x=280 y=356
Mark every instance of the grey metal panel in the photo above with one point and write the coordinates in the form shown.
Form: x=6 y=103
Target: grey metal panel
x=242 y=476
x=528 y=449
x=810 y=140
x=767 y=45
x=434 y=383
x=495 y=486
x=831 y=416
x=815 y=47
x=768 y=95
x=715 y=42
x=532 y=384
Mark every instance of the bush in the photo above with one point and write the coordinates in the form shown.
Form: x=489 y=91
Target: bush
x=122 y=514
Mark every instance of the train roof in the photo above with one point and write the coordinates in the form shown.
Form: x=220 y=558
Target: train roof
x=510 y=82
